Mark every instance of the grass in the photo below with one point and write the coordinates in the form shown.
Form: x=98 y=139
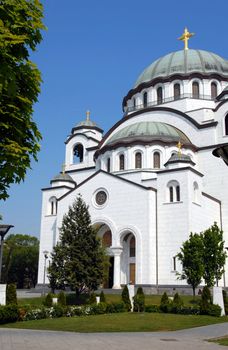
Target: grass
x=122 y=322
x=221 y=341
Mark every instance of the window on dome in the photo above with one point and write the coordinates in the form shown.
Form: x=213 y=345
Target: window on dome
x=132 y=247
x=108 y=165
x=159 y=95
x=176 y=91
x=138 y=160
x=226 y=125
x=78 y=153
x=195 y=89
x=145 y=99
x=156 y=160
x=214 y=91
x=121 y=159
x=134 y=102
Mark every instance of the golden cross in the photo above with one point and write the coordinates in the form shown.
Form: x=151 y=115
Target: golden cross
x=185 y=37
x=63 y=168
x=87 y=115
x=179 y=146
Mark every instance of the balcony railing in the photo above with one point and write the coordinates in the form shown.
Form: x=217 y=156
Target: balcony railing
x=166 y=100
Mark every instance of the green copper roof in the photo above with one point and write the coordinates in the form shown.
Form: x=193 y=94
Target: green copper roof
x=149 y=130
x=184 y=62
x=86 y=123
x=62 y=177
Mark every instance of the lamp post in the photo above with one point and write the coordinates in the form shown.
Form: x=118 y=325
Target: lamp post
x=45 y=252
x=3 y=231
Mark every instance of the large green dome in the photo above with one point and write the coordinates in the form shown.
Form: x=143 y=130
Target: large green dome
x=149 y=131
x=185 y=62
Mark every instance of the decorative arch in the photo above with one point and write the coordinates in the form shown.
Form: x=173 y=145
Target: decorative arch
x=53 y=206
x=214 y=90
x=176 y=91
x=173 y=191
x=78 y=153
x=195 y=89
x=121 y=162
x=107 y=222
x=159 y=95
x=138 y=160
x=156 y=160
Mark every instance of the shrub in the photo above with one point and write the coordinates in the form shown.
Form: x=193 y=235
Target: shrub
x=152 y=308
x=126 y=298
x=177 y=303
x=9 y=313
x=188 y=310
x=139 y=300
x=57 y=311
x=164 y=304
x=98 y=309
x=11 y=294
x=214 y=310
x=92 y=298
x=205 y=301
x=102 y=297
x=48 y=300
x=62 y=298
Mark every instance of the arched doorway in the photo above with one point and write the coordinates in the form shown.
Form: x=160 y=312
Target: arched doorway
x=105 y=234
x=128 y=266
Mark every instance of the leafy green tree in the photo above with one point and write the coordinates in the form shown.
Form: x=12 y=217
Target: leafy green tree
x=102 y=297
x=191 y=256
x=20 y=32
x=139 y=300
x=206 y=301
x=11 y=294
x=164 y=303
x=126 y=298
x=214 y=255
x=20 y=260
x=56 y=272
x=79 y=256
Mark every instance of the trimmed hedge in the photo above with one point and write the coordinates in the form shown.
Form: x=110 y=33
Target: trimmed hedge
x=9 y=313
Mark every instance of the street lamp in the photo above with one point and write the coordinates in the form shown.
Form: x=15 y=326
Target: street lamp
x=222 y=152
x=3 y=231
x=45 y=252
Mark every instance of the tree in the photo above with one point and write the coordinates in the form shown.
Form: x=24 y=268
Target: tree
x=79 y=259
x=214 y=255
x=20 y=32
x=191 y=256
x=20 y=260
x=126 y=298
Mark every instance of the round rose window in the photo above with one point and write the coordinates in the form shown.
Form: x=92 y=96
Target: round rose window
x=101 y=197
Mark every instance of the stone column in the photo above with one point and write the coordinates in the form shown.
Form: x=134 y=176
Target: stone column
x=117 y=252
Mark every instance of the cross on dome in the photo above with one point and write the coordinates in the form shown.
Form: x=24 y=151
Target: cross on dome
x=185 y=37
x=87 y=115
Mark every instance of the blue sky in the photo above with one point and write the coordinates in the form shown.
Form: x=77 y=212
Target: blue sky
x=91 y=55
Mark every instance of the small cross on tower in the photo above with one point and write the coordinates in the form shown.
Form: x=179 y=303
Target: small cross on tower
x=185 y=37
x=87 y=115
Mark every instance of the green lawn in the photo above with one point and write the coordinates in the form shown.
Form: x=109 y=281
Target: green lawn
x=122 y=322
x=221 y=341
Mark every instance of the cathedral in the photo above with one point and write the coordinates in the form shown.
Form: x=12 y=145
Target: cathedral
x=152 y=178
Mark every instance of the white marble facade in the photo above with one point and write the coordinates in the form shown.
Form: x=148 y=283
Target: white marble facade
x=145 y=194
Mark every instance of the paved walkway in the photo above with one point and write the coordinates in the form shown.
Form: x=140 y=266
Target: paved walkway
x=16 y=339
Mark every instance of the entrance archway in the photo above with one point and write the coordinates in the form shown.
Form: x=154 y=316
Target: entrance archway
x=128 y=262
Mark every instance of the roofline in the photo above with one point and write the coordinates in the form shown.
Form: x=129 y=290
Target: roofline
x=180 y=169
x=171 y=78
x=54 y=188
x=179 y=161
x=80 y=169
x=81 y=134
x=211 y=197
x=109 y=174
x=94 y=127
x=62 y=180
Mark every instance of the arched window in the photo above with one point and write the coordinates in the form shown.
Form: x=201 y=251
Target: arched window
x=108 y=165
x=145 y=99
x=226 y=125
x=132 y=247
x=176 y=91
x=178 y=193
x=107 y=239
x=138 y=160
x=195 y=89
x=159 y=95
x=195 y=192
x=53 y=206
x=78 y=153
x=121 y=159
x=171 y=193
x=214 y=91
x=156 y=160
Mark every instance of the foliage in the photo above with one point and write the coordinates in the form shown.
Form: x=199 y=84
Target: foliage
x=20 y=32
x=8 y=313
x=62 y=299
x=214 y=255
x=206 y=301
x=126 y=298
x=177 y=303
x=102 y=297
x=152 y=308
x=92 y=298
x=48 y=300
x=139 y=300
x=191 y=256
x=214 y=310
x=11 y=294
x=20 y=258
x=164 y=304
x=79 y=259
x=73 y=299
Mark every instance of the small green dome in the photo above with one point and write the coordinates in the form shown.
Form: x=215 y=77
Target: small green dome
x=184 y=62
x=149 y=131
x=62 y=177
x=89 y=123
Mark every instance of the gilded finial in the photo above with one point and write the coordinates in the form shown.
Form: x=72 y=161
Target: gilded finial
x=185 y=37
x=63 y=168
x=87 y=115
x=179 y=146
